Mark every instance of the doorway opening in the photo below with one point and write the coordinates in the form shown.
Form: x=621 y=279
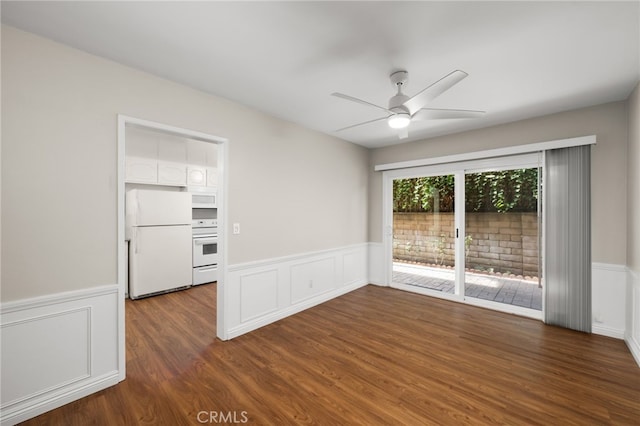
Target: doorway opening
x=162 y=171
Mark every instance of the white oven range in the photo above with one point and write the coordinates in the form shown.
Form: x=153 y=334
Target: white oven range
x=205 y=250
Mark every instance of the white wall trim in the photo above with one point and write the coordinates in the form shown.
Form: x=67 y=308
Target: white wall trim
x=56 y=349
x=174 y=130
x=273 y=261
x=632 y=330
x=268 y=290
x=609 y=267
x=50 y=299
x=498 y=152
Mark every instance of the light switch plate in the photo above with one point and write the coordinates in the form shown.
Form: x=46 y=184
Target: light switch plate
x=236 y=228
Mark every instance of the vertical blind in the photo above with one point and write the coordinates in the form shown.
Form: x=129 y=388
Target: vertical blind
x=567 y=198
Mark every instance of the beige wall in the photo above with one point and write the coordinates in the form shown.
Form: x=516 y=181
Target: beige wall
x=609 y=165
x=633 y=183
x=292 y=190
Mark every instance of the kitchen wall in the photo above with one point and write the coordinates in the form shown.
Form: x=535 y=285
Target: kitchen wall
x=608 y=166
x=292 y=190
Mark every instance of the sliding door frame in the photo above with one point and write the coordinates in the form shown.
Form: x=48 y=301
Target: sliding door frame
x=459 y=169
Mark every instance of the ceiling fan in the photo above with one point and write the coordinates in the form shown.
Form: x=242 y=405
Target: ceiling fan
x=402 y=109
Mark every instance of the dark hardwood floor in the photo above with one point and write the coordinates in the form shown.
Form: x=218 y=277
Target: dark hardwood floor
x=376 y=356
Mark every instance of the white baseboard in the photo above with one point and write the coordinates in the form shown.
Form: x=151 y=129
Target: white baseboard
x=632 y=331
x=603 y=330
x=266 y=291
x=56 y=349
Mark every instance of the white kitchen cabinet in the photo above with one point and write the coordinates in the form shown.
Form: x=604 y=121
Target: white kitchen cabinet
x=202 y=159
x=172 y=157
x=212 y=176
x=141 y=164
x=170 y=173
x=141 y=170
x=161 y=159
x=196 y=175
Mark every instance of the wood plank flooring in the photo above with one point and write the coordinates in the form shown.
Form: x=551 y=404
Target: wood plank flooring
x=376 y=356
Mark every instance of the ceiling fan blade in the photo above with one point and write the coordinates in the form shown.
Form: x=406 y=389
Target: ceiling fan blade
x=436 y=89
x=360 y=101
x=361 y=124
x=403 y=133
x=437 y=114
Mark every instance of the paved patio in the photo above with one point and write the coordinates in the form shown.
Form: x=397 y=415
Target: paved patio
x=512 y=291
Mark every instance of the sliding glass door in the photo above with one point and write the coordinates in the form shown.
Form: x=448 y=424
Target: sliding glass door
x=469 y=232
x=424 y=232
x=502 y=234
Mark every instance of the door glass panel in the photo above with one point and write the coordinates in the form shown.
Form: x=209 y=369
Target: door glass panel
x=424 y=232
x=502 y=250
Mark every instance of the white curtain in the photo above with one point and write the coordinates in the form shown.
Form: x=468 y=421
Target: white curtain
x=567 y=199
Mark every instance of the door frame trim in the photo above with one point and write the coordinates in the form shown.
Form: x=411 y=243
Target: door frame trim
x=490 y=153
x=223 y=157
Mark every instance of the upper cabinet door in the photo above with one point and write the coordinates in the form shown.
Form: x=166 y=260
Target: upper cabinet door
x=172 y=157
x=141 y=157
x=212 y=176
x=158 y=158
x=141 y=170
x=196 y=175
x=170 y=173
x=202 y=160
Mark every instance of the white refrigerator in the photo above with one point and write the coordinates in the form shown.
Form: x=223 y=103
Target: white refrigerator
x=160 y=241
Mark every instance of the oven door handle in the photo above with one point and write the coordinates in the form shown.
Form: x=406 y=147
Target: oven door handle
x=202 y=241
x=207 y=269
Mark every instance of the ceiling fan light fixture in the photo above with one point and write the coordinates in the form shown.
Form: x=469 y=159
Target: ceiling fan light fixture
x=399 y=120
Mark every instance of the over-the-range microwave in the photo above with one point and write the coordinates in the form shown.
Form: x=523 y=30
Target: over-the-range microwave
x=203 y=197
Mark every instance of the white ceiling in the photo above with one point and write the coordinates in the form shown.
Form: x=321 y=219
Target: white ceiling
x=524 y=59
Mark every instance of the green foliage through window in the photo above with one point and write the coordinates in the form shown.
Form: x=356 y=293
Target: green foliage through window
x=501 y=191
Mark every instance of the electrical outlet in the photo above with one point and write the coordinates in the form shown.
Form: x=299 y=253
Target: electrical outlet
x=236 y=228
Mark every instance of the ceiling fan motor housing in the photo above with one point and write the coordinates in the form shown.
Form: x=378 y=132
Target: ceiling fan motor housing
x=398 y=79
x=401 y=115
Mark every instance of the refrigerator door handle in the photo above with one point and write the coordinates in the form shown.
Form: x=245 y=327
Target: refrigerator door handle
x=134 y=239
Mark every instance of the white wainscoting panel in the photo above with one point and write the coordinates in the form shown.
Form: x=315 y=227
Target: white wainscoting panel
x=266 y=291
x=312 y=278
x=258 y=294
x=608 y=293
x=632 y=332
x=376 y=264
x=56 y=349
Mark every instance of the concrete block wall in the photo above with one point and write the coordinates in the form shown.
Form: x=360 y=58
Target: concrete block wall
x=499 y=242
